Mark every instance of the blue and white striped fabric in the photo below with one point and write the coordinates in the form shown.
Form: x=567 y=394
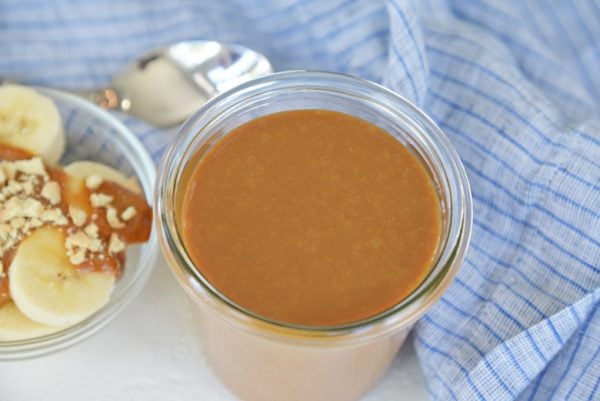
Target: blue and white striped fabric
x=516 y=87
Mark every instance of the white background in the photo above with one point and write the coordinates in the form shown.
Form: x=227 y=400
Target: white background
x=149 y=353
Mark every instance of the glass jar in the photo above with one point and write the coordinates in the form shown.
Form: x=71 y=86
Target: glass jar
x=262 y=360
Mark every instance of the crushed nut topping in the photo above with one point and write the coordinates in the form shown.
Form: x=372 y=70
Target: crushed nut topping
x=53 y=216
x=91 y=230
x=29 y=198
x=100 y=199
x=112 y=217
x=115 y=244
x=78 y=216
x=93 y=181
x=22 y=208
x=128 y=213
x=78 y=257
x=17 y=223
x=33 y=166
x=17 y=206
x=81 y=243
x=51 y=191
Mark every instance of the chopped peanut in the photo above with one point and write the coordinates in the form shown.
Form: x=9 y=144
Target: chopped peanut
x=115 y=244
x=51 y=191
x=113 y=218
x=100 y=200
x=128 y=213
x=93 y=181
x=78 y=216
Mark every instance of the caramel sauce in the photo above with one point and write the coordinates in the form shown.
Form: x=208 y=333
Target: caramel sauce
x=9 y=153
x=4 y=291
x=104 y=262
x=74 y=192
x=137 y=229
x=311 y=217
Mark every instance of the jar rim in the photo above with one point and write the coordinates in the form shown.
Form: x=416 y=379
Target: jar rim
x=400 y=316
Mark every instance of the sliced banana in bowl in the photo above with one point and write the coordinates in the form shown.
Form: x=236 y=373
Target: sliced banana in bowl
x=48 y=289
x=31 y=121
x=84 y=169
x=48 y=299
x=14 y=325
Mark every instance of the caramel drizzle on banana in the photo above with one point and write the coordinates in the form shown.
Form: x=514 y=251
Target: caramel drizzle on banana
x=31 y=197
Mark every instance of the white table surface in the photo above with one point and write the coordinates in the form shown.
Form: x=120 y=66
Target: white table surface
x=149 y=353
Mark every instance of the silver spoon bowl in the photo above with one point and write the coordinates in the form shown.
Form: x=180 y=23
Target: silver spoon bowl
x=167 y=85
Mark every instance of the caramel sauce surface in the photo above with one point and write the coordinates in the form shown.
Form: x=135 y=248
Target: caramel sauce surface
x=311 y=217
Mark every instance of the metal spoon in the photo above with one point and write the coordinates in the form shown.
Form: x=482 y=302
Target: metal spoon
x=167 y=85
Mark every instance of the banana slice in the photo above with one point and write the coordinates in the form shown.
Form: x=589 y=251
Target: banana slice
x=83 y=169
x=31 y=121
x=47 y=288
x=14 y=325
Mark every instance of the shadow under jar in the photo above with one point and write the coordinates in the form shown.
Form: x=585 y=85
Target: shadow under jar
x=261 y=357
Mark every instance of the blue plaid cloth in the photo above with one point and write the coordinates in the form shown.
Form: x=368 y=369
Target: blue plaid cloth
x=516 y=87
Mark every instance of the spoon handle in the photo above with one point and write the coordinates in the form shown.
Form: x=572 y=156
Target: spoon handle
x=107 y=98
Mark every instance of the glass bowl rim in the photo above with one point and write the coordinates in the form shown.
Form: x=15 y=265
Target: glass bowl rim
x=50 y=343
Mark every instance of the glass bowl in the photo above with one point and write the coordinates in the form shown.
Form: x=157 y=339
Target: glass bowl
x=266 y=360
x=94 y=134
